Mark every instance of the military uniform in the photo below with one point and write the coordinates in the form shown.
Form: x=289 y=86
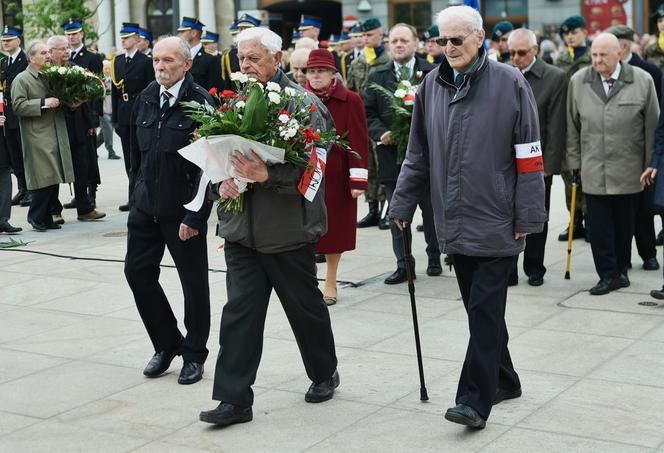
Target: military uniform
x=655 y=55
x=205 y=68
x=229 y=64
x=500 y=31
x=570 y=65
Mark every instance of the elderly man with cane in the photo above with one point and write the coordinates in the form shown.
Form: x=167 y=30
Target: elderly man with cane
x=487 y=194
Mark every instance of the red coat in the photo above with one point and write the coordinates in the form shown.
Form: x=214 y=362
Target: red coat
x=344 y=171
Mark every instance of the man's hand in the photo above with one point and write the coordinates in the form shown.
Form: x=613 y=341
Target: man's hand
x=518 y=236
x=355 y=193
x=52 y=103
x=228 y=189
x=648 y=176
x=253 y=169
x=3 y=118
x=187 y=232
x=547 y=174
x=385 y=138
x=401 y=224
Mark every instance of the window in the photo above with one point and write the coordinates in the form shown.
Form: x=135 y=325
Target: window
x=505 y=8
x=160 y=17
x=415 y=13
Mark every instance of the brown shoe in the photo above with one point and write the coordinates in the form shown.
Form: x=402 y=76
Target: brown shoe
x=92 y=215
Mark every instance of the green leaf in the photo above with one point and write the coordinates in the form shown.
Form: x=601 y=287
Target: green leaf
x=254 y=119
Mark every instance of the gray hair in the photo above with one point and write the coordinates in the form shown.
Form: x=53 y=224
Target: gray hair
x=464 y=14
x=300 y=54
x=53 y=41
x=185 y=50
x=520 y=33
x=412 y=29
x=266 y=37
x=306 y=43
x=32 y=47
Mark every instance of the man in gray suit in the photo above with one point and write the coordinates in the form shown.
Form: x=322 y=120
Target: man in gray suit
x=549 y=85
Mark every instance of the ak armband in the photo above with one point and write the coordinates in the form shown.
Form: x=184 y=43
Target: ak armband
x=529 y=157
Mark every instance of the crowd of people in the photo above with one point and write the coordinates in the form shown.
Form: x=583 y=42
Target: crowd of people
x=584 y=107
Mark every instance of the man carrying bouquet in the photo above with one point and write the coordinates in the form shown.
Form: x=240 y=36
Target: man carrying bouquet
x=164 y=182
x=270 y=245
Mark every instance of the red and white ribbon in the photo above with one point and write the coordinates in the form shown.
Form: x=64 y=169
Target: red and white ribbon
x=313 y=175
x=529 y=157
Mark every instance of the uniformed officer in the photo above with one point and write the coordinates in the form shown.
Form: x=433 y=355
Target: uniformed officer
x=10 y=66
x=145 y=41
x=131 y=72
x=210 y=41
x=296 y=37
x=574 y=33
x=229 y=61
x=434 y=50
x=310 y=27
x=345 y=51
x=87 y=58
x=499 y=36
x=655 y=51
x=205 y=69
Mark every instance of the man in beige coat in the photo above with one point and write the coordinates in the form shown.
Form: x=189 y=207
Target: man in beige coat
x=612 y=113
x=46 y=152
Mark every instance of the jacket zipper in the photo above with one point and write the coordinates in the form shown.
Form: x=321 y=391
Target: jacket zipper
x=158 y=172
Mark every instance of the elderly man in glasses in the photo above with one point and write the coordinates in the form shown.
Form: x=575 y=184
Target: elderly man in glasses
x=475 y=139
x=549 y=85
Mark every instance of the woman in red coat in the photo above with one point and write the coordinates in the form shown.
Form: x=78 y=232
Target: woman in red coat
x=345 y=174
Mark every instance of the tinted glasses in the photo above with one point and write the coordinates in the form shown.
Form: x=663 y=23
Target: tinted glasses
x=456 y=41
x=520 y=52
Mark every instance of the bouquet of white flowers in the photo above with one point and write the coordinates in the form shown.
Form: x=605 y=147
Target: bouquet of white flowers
x=73 y=85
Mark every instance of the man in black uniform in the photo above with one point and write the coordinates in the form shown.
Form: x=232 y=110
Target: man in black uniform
x=210 y=41
x=165 y=181
x=131 y=72
x=12 y=65
x=145 y=41
x=205 y=69
x=229 y=61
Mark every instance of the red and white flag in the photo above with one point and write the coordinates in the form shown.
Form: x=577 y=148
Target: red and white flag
x=2 y=103
x=529 y=157
x=313 y=175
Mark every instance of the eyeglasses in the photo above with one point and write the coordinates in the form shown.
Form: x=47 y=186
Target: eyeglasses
x=456 y=41
x=520 y=52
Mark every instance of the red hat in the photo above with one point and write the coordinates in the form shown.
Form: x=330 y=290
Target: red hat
x=321 y=58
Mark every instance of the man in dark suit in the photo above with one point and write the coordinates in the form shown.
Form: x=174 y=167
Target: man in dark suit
x=206 y=69
x=405 y=66
x=549 y=85
x=11 y=66
x=131 y=72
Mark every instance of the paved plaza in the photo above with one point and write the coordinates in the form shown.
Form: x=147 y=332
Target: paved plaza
x=72 y=351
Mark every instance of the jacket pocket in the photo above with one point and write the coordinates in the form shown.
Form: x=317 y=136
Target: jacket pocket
x=144 y=131
x=504 y=184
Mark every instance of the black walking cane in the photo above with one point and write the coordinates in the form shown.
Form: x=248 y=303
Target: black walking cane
x=406 y=236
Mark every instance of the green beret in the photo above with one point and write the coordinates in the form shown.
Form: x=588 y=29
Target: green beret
x=371 y=24
x=431 y=32
x=621 y=32
x=572 y=23
x=500 y=29
x=659 y=13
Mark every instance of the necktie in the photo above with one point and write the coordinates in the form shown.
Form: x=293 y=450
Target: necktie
x=458 y=80
x=610 y=83
x=404 y=73
x=165 y=102
x=128 y=60
x=9 y=62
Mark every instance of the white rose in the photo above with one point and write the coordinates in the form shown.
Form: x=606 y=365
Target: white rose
x=400 y=93
x=290 y=91
x=283 y=118
x=274 y=97
x=240 y=104
x=238 y=76
x=271 y=86
x=406 y=83
x=62 y=70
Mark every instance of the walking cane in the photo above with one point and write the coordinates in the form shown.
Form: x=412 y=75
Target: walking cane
x=406 y=237
x=570 y=231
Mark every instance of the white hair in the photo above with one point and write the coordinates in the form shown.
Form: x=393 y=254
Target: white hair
x=522 y=33
x=53 y=41
x=306 y=43
x=266 y=37
x=300 y=54
x=463 y=14
x=183 y=46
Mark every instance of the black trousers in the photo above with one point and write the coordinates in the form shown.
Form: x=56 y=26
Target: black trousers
x=80 y=155
x=488 y=365
x=533 y=255
x=146 y=241
x=125 y=139
x=250 y=279
x=433 y=250
x=611 y=219
x=644 y=224
x=40 y=207
x=15 y=149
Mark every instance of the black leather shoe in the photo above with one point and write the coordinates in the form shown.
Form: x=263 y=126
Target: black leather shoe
x=227 y=414
x=465 y=415
x=370 y=219
x=660 y=238
x=17 y=198
x=419 y=228
x=53 y=226
x=535 y=280
x=191 y=373
x=384 y=223
x=651 y=264
x=604 y=286
x=70 y=205
x=124 y=207
x=579 y=232
x=621 y=281
x=657 y=294
x=5 y=227
x=26 y=200
x=37 y=226
x=113 y=156
x=399 y=276
x=322 y=391
x=159 y=363
x=434 y=269
x=502 y=395
x=320 y=258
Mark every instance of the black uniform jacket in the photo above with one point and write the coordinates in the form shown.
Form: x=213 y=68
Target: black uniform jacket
x=206 y=69
x=7 y=76
x=165 y=180
x=128 y=82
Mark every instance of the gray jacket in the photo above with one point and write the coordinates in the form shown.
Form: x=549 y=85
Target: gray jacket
x=463 y=142
x=276 y=217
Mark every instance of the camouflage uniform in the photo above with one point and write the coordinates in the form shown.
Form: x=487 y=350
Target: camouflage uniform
x=655 y=55
x=570 y=66
x=357 y=81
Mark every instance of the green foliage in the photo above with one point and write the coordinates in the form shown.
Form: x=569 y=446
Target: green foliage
x=255 y=114
x=43 y=18
x=401 y=117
